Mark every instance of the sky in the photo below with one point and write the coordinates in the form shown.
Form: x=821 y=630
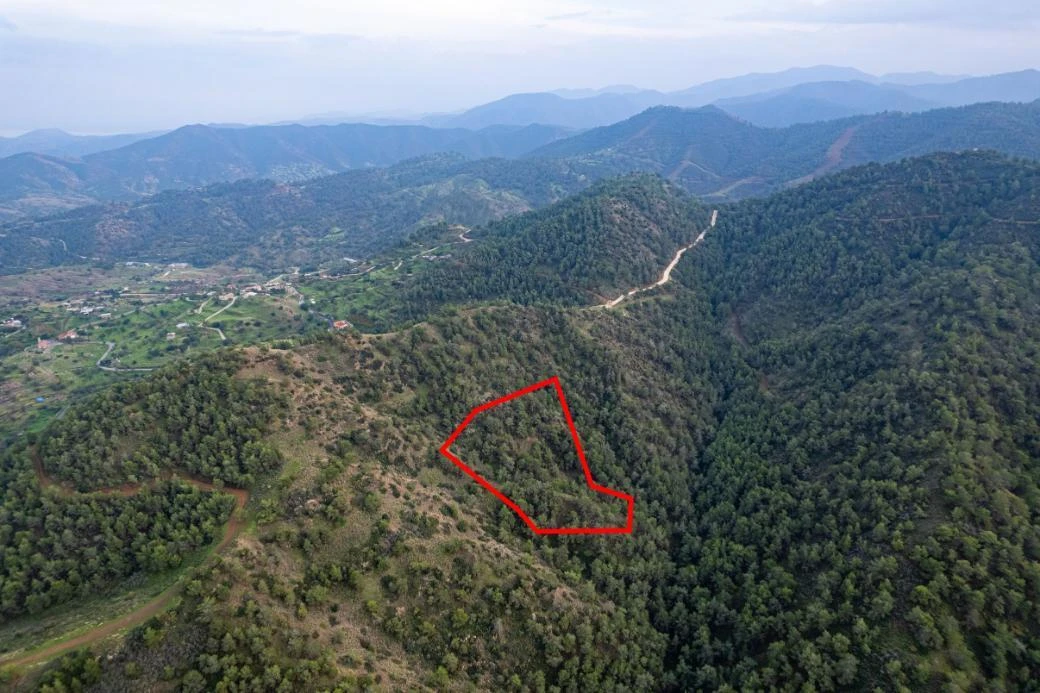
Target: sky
x=119 y=66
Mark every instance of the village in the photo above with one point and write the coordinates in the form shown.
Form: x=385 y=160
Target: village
x=88 y=327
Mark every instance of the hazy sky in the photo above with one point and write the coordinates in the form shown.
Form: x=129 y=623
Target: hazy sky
x=117 y=65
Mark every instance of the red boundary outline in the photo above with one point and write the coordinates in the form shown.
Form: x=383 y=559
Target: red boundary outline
x=554 y=382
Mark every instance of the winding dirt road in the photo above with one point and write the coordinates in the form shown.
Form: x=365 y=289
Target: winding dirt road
x=113 y=369
x=231 y=303
x=147 y=610
x=666 y=275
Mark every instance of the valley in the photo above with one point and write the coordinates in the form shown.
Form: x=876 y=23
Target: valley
x=796 y=316
x=359 y=534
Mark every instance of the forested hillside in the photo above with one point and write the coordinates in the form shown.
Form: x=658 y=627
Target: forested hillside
x=891 y=349
x=569 y=254
x=271 y=226
x=1013 y=129
x=57 y=545
x=710 y=152
x=865 y=346
x=705 y=150
x=828 y=419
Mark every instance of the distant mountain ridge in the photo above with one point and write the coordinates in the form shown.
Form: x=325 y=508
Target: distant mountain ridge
x=761 y=82
x=265 y=224
x=520 y=109
x=816 y=101
x=705 y=151
x=711 y=153
x=775 y=99
x=36 y=184
x=197 y=155
x=54 y=142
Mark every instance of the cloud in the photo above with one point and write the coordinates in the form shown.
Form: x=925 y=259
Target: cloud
x=259 y=33
x=570 y=15
x=331 y=40
x=106 y=76
x=960 y=13
x=7 y=24
x=288 y=37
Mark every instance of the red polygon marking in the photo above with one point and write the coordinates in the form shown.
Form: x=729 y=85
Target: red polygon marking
x=555 y=383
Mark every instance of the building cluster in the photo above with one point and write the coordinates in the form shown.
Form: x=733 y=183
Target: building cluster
x=82 y=307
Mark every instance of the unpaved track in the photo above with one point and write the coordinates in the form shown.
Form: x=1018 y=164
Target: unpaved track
x=666 y=275
x=832 y=160
x=135 y=617
x=113 y=369
x=111 y=346
x=215 y=329
x=686 y=162
x=231 y=303
x=722 y=192
x=150 y=608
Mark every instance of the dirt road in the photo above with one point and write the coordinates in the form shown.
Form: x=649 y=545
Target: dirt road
x=215 y=329
x=833 y=158
x=231 y=303
x=135 y=617
x=666 y=275
x=147 y=610
x=113 y=369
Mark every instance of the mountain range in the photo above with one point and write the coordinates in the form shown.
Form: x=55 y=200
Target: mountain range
x=58 y=143
x=776 y=99
x=712 y=153
x=808 y=353
x=267 y=224
x=355 y=214
x=196 y=155
x=53 y=171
